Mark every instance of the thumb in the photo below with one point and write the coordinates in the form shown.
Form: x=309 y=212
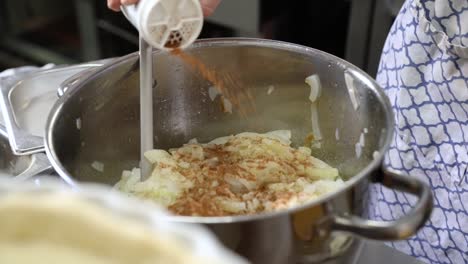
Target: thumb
x=209 y=6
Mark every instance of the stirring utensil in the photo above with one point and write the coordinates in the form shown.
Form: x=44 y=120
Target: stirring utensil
x=146 y=106
x=162 y=24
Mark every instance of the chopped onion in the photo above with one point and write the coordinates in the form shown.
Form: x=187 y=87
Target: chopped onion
x=213 y=93
x=99 y=166
x=315 y=87
x=375 y=154
x=358 y=150
x=78 y=123
x=315 y=90
x=271 y=88
x=227 y=105
x=353 y=94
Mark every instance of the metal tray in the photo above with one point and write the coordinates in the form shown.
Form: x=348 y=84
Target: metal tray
x=26 y=100
x=20 y=167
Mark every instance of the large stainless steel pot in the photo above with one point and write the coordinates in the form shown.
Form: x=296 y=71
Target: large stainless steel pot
x=356 y=133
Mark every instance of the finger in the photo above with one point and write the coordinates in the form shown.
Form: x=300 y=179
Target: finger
x=209 y=6
x=113 y=5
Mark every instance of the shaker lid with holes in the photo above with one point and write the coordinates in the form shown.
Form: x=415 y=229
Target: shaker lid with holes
x=167 y=24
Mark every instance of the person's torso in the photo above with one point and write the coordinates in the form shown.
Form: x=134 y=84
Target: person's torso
x=424 y=71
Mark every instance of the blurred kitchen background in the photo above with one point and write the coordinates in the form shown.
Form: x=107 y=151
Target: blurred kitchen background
x=71 y=31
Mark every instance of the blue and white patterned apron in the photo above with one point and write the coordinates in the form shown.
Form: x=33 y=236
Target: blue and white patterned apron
x=424 y=71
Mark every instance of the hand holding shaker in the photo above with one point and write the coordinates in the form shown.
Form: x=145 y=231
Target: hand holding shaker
x=166 y=24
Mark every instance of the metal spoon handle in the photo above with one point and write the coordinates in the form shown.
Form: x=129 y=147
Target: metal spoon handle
x=146 y=106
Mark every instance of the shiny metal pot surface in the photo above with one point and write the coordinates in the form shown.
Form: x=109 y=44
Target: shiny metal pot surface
x=356 y=132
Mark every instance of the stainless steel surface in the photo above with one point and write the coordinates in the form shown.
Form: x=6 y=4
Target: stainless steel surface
x=22 y=143
x=146 y=106
x=20 y=167
x=110 y=135
x=351 y=256
x=372 y=253
x=90 y=67
x=19 y=93
x=38 y=165
x=403 y=227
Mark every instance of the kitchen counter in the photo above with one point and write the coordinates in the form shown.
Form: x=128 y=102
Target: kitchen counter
x=373 y=252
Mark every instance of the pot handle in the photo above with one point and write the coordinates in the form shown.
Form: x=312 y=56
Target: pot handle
x=401 y=228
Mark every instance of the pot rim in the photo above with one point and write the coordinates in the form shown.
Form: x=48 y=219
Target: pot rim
x=217 y=42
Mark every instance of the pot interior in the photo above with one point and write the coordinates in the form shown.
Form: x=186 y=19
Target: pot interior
x=94 y=128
